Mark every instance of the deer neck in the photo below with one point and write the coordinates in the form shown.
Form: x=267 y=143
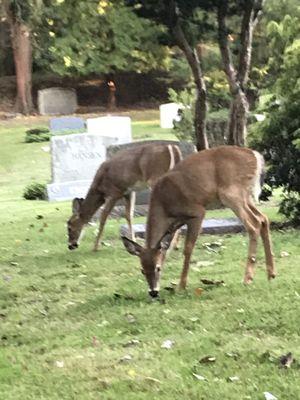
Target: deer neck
x=157 y=225
x=90 y=205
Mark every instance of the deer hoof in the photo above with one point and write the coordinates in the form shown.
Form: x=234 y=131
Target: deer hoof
x=271 y=275
x=248 y=280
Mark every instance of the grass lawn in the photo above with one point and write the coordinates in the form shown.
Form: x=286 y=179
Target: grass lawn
x=80 y=325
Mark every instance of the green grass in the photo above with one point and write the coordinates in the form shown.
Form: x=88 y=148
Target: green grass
x=64 y=333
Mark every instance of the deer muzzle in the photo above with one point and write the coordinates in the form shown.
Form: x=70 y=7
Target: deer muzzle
x=73 y=246
x=154 y=293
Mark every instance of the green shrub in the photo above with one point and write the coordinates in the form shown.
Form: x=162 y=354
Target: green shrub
x=277 y=138
x=35 y=191
x=37 y=135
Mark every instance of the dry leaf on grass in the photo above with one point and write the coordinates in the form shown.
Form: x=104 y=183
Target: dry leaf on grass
x=269 y=396
x=286 y=360
x=198 y=291
x=207 y=360
x=167 y=344
x=199 y=377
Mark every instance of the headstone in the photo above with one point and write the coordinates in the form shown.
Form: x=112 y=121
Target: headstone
x=185 y=147
x=168 y=112
x=116 y=130
x=75 y=159
x=63 y=124
x=57 y=100
x=209 y=226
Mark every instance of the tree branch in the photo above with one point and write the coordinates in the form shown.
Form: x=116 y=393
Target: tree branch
x=224 y=47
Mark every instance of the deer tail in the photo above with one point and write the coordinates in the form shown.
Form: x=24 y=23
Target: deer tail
x=259 y=176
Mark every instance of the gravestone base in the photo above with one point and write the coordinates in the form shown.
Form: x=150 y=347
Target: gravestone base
x=209 y=227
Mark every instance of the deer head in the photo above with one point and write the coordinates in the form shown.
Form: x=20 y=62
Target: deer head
x=75 y=224
x=151 y=260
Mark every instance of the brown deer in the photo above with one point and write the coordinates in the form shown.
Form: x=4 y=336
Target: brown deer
x=117 y=178
x=227 y=174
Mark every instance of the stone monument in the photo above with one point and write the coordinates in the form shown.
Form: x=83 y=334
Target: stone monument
x=57 y=101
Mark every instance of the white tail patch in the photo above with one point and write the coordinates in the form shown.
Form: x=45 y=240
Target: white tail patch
x=256 y=189
x=172 y=157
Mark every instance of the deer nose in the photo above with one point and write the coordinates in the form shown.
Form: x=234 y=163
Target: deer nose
x=73 y=246
x=153 y=293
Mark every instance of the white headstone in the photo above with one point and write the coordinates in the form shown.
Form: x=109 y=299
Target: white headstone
x=168 y=112
x=117 y=130
x=75 y=159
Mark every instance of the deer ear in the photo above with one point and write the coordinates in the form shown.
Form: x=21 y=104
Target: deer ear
x=165 y=241
x=132 y=247
x=76 y=205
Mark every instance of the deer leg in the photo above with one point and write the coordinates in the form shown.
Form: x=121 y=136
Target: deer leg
x=129 y=212
x=193 y=229
x=110 y=202
x=239 y=205
x=266 y=239
x=175 y=241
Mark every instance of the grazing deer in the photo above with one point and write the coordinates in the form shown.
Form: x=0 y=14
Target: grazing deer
x=227 y=174
x=117 y=178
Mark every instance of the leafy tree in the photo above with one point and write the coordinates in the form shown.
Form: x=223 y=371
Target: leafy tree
x=278 y=137
x=98 y=37
x=183 y=32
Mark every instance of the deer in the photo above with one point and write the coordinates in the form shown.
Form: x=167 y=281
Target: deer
x=228 y=175
x=128 y=170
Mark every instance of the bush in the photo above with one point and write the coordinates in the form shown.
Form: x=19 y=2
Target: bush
x=35 y=191
x=277 y=138
x=37 y=135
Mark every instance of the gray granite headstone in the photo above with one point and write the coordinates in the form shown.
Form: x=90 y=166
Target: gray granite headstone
x=75 y=159
x=209 y=226
x=185 y=147
x=64 y=124
x=56 y=101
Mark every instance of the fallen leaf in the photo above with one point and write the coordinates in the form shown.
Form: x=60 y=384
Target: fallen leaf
x=194 y=319
x=235 y=356
x=204 y=263
x=130 y=318
x=167 y=344
x=125 y=358
x=39 y=216
x=211 y=282
x=198 y=291
x=95 y=342
x=269 y=396
x=199 y=377
x=132 y=342
x=207 y=359
x=151 y=379
x=132 y=373
x=284 y=254
x=286 y=360
x=233 y=379
x=59 y=364
x=170 y=289
x=14 y=264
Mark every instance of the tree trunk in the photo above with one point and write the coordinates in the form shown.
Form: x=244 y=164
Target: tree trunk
x=21 y=44
x=237 y=126
x=195 y=65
